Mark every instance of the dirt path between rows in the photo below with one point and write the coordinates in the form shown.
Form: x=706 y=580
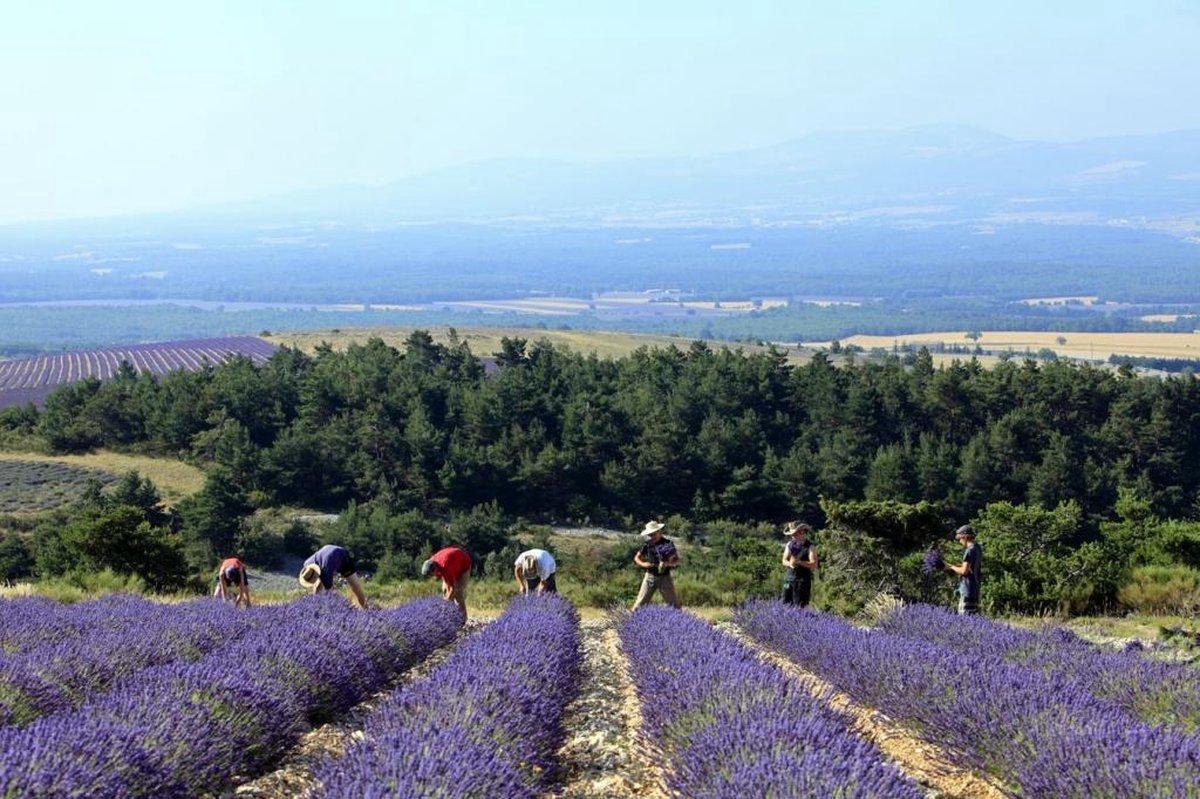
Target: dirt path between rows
x=296 y=773
x=604 y=756
x=927 y=763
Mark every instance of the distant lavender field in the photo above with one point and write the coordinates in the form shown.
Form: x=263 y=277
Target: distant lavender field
x=33 y=379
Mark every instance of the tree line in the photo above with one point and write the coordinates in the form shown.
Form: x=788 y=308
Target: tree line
x=398 y=436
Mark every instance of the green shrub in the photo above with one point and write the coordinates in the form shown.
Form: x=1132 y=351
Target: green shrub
x=1170 y=590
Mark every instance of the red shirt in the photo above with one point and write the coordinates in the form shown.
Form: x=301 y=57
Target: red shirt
x=231 y=563
x=452 y=563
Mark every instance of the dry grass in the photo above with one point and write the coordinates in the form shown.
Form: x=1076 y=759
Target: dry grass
x=486 y=340
x=1093 y=346
x=175 y=479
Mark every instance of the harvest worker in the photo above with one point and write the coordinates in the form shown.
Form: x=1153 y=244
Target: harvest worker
x=453 y=566
x=231 y=573
x=800 y=561
x=969 y=571
x=535 y=569
x=656 y=557
x=326 y=563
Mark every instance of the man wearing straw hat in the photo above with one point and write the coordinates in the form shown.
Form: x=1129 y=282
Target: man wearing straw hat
x=326 y=563
x=800 y=561
x=657 y=557
x=453 y=566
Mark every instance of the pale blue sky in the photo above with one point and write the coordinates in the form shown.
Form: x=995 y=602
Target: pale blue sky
x=117 y=106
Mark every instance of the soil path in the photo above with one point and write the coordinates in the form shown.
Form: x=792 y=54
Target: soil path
x=603 y=756
x=925 y=762
x=296 y=773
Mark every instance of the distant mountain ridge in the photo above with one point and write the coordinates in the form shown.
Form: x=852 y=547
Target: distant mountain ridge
x=932 y=174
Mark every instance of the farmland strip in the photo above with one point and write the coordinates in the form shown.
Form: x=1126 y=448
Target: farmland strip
x=486 y=723
x=1045 y=737
x=730 y=724
x=927 y=762
x=1161 y=693
x=188 y=729
x=597 y=760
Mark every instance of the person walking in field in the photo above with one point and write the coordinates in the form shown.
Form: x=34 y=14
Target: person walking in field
x=328 y=562
x=969 y=571
x=657 y=557
x=800 y=562
x=231 y=575
x=534 y=571
x=453 y=566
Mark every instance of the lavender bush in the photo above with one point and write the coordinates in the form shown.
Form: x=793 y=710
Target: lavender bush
x=1164 y=693
x=486 y=723
x=1044 y=736
x=187 y=729
x=731 y=725
x=125 y=636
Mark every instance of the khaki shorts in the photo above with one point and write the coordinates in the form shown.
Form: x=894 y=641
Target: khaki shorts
x=657 y=582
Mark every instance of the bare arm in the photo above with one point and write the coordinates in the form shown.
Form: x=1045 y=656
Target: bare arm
x=961 y=571
x=220 y=590
x=519 y=578
x=244 y=594
x=787 y=559
x=640 y=561
x=811 y=563
x=356 y=589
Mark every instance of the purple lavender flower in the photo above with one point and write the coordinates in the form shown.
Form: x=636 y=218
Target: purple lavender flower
x=486 y=723
x=934 y=562
x=731 y=725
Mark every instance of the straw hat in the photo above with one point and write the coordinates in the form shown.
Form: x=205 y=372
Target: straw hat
x=794 y=527
x=651 y=528
x=310 y=575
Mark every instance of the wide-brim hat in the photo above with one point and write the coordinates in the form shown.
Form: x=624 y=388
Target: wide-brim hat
x=794 y=527
x=651 y=528
x=310 y=575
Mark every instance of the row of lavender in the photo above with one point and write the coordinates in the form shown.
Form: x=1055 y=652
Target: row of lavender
x=486 y=723
x=1153 y=691
x=1043 y=734
x=731 y=725
x=187 y=729
x=53 y=656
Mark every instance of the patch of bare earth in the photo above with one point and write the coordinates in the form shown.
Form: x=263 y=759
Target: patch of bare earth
x=604 y=755
x=296 y=772
x=925 y=762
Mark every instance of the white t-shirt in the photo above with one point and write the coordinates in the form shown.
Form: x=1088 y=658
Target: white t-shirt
x=544 y=560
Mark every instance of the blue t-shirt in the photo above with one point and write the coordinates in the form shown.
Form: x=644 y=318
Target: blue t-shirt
x=799 y=552
x=332 y=560
x=968 y=584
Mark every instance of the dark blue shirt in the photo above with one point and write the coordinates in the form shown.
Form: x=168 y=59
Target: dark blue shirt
x=968 y=584
x=332 y=560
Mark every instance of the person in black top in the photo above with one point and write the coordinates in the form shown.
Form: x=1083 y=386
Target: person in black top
x=969 y=572
x=800 y=561
x=657 y=557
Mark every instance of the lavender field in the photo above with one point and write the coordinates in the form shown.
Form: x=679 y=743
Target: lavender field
x=124 y=697
x=25 y=380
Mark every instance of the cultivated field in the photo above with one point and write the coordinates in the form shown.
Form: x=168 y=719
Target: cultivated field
x=485 y=341
x=123 y=697
x=33 y=379
x=28 y=486
x=1090 y=346
x=174 y=479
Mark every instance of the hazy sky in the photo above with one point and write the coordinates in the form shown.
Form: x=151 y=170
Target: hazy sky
x=116 y=106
